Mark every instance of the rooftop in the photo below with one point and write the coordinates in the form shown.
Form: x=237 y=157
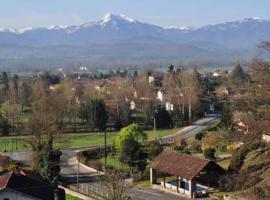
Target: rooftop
x=183 y=165
x=21 y=183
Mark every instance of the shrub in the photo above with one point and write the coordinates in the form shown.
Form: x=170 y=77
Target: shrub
x=154 y=149
x=210 y=154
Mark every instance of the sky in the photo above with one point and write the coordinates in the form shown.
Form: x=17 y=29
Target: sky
x=166 y=13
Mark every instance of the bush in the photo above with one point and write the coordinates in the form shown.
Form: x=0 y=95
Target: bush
x=182 y=149
x=238 y=157
x=95 y=164
x=154 y=149
x=210 y=154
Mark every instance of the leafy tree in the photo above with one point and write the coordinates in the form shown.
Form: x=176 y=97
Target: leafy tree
x=210 y=154
x=133 y=154
x=237 y=76
x=48 y=165
x=4 y=80
x=10 y=117
x=163 y=118
x=95 y=113
x=24 y=94
x=14 y=89
x=51 y=78
x=154 y=149
x=101 y=117
x=44 y=129
x=171 y=69
x=227 y=116
x=133 y=131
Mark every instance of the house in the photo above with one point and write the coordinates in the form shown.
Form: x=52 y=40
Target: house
x=156 y=78
x=266 y=138
x=132 y=105
x=160 y=95
x=190 y=176
x=17 y=185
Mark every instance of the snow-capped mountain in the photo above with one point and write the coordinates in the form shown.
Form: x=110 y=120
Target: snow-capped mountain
x=119 y=36
x=241 y=34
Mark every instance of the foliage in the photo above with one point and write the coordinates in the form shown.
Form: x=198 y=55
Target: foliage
x=133 y=131
x=227 y=116
x=133 y=154
x=48 y=165
x=101 y=117
x=95 y=113
x=216 y=140
x=239 y=155
x=182 y=149
x=69 y=197
x=237 y=76
x=154 y=149
x=163 y=118
x=210 y=154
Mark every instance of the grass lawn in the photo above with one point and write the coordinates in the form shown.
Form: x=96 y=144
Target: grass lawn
x=74 y=140
x=161 y=133
x=69 y=197
x=224 y=163
x=115 y=163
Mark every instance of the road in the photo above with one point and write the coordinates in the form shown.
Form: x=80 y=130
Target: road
x=151 y=194
x=189 y=131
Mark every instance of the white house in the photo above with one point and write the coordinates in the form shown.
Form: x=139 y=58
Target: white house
x=266 y=138
x=132 y=105
x=160 y=95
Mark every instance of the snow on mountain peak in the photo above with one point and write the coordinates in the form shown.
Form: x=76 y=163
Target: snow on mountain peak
x=111 y=17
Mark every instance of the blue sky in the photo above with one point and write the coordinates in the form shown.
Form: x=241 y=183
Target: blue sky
x=36 y=13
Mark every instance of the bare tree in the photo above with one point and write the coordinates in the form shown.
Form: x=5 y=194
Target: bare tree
x=111 y=187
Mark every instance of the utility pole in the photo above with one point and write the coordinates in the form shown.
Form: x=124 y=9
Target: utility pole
x=203 y=145
x=78 y=171
x=155 y=128
x=105 y=148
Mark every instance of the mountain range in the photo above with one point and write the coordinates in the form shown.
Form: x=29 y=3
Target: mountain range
x=121 y=40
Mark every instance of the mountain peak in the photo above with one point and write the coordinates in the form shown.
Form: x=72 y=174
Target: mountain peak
x=111 y=17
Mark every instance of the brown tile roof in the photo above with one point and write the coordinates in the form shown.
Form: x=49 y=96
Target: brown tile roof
x=29 y=186
x=178 y=164
x=4 y=180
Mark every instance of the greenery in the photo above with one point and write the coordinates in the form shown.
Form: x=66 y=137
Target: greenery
x=133 y=154
x=163 y=118
x=133 y=132
x=75 y=139
x=210 y=154
x=69 y=197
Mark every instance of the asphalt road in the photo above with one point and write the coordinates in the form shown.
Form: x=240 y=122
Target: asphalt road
x=189 y=131
x=151 y=194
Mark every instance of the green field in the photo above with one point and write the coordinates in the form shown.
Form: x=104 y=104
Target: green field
x=69 y=197
x=73 y=140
